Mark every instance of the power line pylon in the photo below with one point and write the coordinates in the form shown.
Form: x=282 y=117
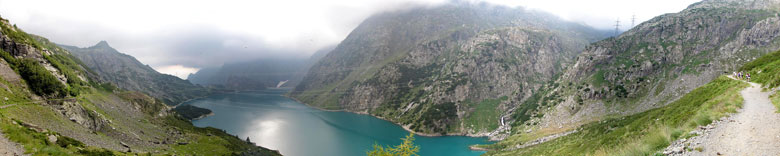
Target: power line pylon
x=617 y=26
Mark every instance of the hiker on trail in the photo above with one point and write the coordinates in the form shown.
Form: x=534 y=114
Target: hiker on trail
x=748 y=77
x=739 y=76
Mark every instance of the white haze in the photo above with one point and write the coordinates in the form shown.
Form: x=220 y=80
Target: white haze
x=181 y=36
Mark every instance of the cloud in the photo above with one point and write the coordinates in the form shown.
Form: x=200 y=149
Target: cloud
x=200 y=33
x=177 y=70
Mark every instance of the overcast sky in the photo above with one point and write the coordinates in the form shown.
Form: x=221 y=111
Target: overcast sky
x=180 y=37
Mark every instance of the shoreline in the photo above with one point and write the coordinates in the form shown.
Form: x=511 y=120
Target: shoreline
x=382 y=118
x=203 y=116
x=405 y=127
x=188 y=100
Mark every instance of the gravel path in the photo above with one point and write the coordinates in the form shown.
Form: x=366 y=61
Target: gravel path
x=9 y=148
x=754 y=130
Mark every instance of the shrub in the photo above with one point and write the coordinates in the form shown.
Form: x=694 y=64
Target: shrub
x=407 y=148
x=96 y=152
x=64 y=141
x=41 y=81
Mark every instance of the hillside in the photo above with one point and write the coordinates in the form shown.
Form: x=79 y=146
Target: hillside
x=53 y=105
x=658 y=61
x=634 y=84
x=128 y=73
x=766 y=71
x=452 y=69
x=699 y=121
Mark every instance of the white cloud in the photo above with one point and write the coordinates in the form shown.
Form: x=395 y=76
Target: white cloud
x=177 y=70
x=603 y=13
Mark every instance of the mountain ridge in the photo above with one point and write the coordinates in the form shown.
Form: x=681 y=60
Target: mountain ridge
x=127 y=72
x=431 y=80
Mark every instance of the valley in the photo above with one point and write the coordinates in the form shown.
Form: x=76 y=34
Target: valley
x=447 y=78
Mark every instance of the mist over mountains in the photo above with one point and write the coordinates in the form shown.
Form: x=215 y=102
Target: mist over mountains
x=257 y=74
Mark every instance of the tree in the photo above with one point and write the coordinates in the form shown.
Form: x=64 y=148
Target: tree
x=407 y=148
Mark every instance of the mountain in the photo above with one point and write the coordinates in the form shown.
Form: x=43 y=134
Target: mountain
x=634 y=93
x=660 y=60
x=257 y=74
x=456 y=68
x=251 y=75
x=52 y=104
x=128 y=73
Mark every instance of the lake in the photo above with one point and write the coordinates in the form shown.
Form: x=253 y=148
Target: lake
x=280 y=123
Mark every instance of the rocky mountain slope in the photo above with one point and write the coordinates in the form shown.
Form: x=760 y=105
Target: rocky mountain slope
x=451 y=69
x=128 y=73
x=620 y=80
x=53 y=105
x=660 y=60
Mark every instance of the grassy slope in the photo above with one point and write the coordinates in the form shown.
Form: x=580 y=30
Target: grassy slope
x=639 y=134
x=21 y=106
x=485 y=116
x=766 y=70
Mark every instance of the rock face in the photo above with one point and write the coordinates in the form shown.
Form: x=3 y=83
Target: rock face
x=451 y=69
x=661 y=59
x=128 y=73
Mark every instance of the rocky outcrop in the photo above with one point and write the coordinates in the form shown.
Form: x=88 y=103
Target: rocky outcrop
x=453 y=69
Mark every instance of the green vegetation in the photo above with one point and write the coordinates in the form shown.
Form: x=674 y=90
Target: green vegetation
x=66 y=66
x=643 y=133
x=36 y=143
x=407 y=148
x=17 y=34
x=542 y=97
x=776 y=100
x=41 y=81
x=190 y=112
x=765 y=69
x=107 y=108
x=598 y=79
x=485 y=116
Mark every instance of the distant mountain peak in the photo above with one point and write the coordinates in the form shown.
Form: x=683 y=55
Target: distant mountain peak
x=102 y=44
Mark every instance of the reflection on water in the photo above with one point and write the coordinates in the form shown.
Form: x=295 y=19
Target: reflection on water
x=279 y=123
x=266 y=130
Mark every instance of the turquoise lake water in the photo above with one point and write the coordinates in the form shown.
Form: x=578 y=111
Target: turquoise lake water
x=277 y=122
